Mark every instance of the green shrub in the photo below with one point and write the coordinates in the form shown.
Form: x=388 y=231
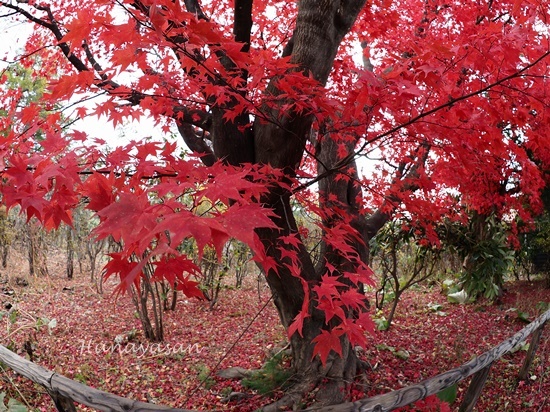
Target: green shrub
x=271 y=377
x=12 y=406
x=204 y=375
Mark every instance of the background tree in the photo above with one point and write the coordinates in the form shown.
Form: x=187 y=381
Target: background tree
x=401 y=262
x=535 y=244
x=487 y=255
x=269 y=96
x=6 y=236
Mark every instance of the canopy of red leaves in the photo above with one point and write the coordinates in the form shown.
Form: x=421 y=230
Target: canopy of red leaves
x=463 y=86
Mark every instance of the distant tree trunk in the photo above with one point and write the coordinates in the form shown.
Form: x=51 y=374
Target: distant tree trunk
x=5 y=252
x=94 y=248
x=31 y=253
x=149 y=306
x=174 y=297
x=36 y=250
x=5 y=236
x=394 y=307
x=70 y=253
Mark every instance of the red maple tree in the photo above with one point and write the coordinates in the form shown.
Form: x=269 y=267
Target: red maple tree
x=279 y=100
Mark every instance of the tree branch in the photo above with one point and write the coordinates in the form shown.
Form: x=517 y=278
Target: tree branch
x=383 y=214
x=196 y=143
x=194 y=7
x=453 y=101
x=243 y=22
x=194 y=117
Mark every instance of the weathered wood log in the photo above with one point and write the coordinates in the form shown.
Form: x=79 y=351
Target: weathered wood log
x=63 y=389
x=535 y=339
x=235 y=372
x=474 y=390
x=405 y=396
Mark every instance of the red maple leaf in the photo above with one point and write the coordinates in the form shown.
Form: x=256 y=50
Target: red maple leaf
x=128 y=271
x=131 y=218
x=178 y=271
x=297 y=324
x=99 y=191
x=325 y=342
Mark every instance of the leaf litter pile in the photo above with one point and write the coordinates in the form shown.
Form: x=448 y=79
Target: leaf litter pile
x=95 y=339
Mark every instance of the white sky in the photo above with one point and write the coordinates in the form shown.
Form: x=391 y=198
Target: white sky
x=13 y=36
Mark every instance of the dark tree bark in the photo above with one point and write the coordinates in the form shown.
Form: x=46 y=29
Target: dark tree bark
x=281 y=142
x=70 y=253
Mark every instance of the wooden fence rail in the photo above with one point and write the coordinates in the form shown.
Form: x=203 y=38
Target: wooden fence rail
x=64 y=392
x=479 y=366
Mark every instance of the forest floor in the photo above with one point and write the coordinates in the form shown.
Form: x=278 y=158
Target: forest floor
x=71 y=328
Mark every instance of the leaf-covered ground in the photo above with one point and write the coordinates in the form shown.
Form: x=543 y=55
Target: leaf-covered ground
x=438 y=336
x=428 y=336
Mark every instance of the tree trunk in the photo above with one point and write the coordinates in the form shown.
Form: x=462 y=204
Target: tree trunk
x=394 y=307
x=280 y=142
x=330 y=381
x=5 y=236
x=70 y=253
x=30 y=249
